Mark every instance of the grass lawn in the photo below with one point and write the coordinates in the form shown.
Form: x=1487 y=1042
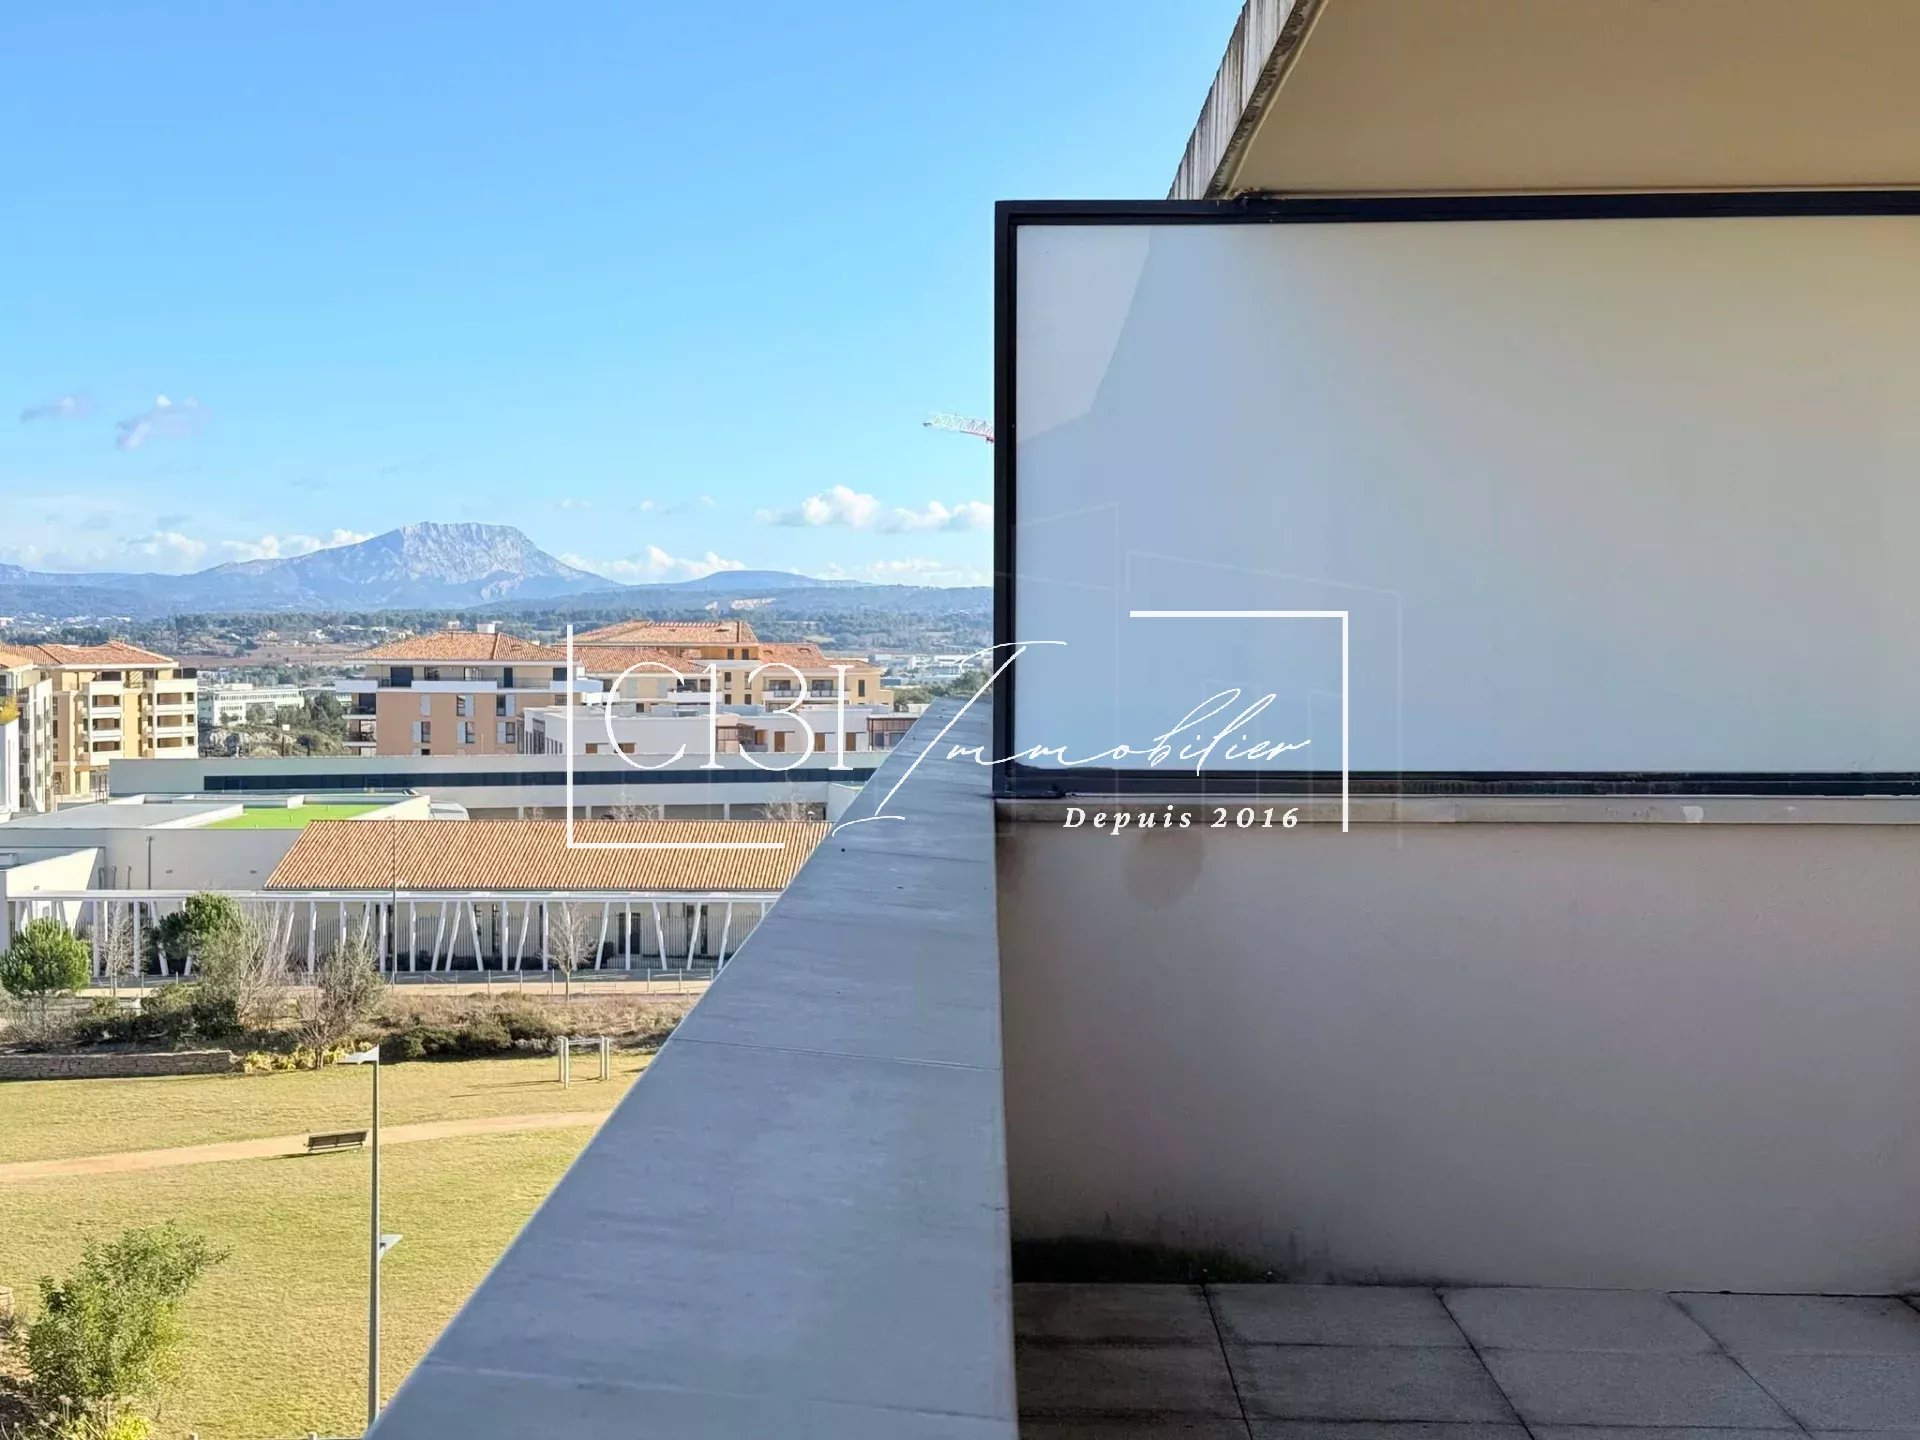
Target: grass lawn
x=287 y=817
x=277 y=1334
x=55 y=1119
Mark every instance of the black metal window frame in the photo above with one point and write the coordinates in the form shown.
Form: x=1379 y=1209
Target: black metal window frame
x=1015 y=780
x=395 y=781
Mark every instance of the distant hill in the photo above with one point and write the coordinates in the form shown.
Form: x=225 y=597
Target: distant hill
x=418 y=566
x=496 y=570
x=830 y=606
x=741 y=581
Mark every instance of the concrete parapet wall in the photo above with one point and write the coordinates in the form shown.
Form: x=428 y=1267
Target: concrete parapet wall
x=1677 y=1056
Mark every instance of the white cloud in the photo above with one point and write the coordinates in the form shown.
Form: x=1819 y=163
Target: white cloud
x=916 y=570
x=651 y=506
x=843 y=505
x=162 y=418
x=171 y=545
x=573 y=503
x=62 y=558
x=967 y=515
x=283 y=547
x=655 y=564
x=61 y=407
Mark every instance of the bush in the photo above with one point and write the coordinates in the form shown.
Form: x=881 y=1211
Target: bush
x=109 y=1334
x=199 y=922
x=472 y=1037
x=528 y=1024
x=44 y=961
x=346 y=991
x=243 y=967
x=103 y=1021
x=173 y=1014
x=168 y=1015
x=486 y=1035
x=124 y=1426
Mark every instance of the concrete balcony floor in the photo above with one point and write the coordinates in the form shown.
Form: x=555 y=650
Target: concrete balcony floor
x=1323 y=1362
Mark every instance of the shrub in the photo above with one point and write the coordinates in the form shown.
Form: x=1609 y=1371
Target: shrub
x=124 y=1426
x=176 y=1013
x=200 y=920
x=486 y=1035
x=472 y=1037
x=109 y=1334
x=528 y=1024
x=243 y=968
x=346 y=991
x=45 y=960
x=167 y=1014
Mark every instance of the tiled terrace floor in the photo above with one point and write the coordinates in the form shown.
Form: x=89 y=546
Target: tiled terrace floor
x=1313 y=1362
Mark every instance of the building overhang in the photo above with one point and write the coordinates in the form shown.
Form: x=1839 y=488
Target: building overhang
x=1464 y=96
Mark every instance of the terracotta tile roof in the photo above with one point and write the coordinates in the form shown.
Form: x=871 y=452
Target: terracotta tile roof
x=115 y=654
x=670 y=632
x=378 y=855
x=800 y=656
x=12 y=658
x=610 y=660
x=469 y=646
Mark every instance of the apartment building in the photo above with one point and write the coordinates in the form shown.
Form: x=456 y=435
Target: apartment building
x=231 y=702
x=106 y=702
x=634 y=728
x=634 y=658
x=454 y=692
x=27 y=742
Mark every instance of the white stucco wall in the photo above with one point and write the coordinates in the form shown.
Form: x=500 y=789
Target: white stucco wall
x=65 y=871
x=1567 y=1054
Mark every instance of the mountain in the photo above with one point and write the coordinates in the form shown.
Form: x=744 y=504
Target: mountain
x=485 y=568
x=755 y=581
x=416 y=566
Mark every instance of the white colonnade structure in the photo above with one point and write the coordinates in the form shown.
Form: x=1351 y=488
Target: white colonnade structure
x=432 y=931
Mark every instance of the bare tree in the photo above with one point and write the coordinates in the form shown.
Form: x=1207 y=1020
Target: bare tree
x=346 y=990
x=117 y=956
x=249 y=964
x=637 y=812
x=788 y=808
x=573 y=938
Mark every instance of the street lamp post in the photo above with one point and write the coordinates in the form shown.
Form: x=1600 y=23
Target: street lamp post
x=377 y=1244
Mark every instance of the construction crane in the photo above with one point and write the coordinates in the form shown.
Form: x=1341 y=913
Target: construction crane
x=962 y=425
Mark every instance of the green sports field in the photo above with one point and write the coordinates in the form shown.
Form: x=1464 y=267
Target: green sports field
x=283 y=817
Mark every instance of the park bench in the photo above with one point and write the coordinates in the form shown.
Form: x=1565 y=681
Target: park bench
x=339 y=1140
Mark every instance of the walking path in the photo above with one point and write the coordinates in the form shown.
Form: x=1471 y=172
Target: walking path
x=280 y=1146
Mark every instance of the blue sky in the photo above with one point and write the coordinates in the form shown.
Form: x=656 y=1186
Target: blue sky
x=643 y=280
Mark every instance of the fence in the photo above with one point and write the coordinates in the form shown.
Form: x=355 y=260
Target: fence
x=429 y=931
